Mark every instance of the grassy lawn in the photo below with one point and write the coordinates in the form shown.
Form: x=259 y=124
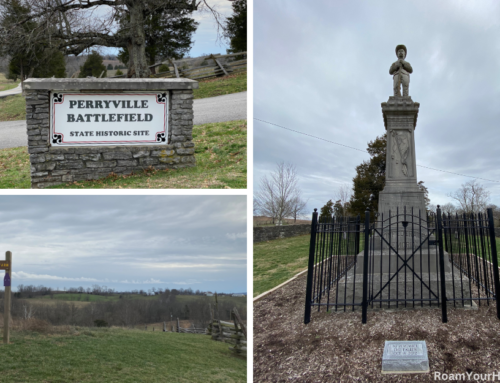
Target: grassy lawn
x=276 y=261
x=221 y=163
x=117 y=355
x=233 y=83
x=6 y=84
x=13 y=108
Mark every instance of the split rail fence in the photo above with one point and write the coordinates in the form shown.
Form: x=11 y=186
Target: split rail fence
x=234 y=333
x=201 y=67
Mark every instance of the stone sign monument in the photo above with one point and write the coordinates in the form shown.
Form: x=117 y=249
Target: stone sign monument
x=86 y=129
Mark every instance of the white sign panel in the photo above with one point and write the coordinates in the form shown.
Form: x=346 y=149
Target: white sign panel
x=87 y=119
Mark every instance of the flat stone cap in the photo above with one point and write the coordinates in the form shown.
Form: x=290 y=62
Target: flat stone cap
x=131 y=84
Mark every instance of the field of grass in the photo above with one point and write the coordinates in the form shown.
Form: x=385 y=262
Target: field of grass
x=276 y=261
x=6 y=84
x=221 y=163
x=117 y=355
x=75 y=297
x=233 y=83
x=13 y=108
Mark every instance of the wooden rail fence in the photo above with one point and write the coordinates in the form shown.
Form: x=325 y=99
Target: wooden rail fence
x=201 y=67
x=234 y=333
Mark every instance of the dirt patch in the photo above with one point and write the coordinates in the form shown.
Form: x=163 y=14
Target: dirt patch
x=337 y=347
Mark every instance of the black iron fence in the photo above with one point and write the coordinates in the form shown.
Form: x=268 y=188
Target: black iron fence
x=469 y=241
x=405 y=259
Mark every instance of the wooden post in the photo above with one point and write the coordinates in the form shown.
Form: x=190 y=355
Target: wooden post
x=217 y=63
x=164 y=326
x=6 y=299
x=175 y=68
x=178 y=328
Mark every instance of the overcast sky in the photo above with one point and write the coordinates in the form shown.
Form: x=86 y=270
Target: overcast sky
x=324 y=70
x=126 y=242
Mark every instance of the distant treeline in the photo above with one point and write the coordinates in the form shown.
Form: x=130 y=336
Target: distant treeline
x=126 y=312
x=31 y=291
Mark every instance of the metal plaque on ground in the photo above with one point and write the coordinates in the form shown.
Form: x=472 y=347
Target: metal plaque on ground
x=405 y=357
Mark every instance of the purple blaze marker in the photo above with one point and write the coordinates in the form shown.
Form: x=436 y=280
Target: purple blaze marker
x=6 y=280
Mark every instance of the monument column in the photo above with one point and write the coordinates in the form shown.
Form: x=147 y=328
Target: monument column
x=400 y=119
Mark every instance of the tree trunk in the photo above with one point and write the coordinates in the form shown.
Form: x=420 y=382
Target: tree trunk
x=137 y=66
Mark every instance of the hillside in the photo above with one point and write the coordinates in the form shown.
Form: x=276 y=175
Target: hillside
x=75 y=354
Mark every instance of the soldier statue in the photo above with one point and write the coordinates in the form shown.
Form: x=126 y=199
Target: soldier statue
x=401 y=70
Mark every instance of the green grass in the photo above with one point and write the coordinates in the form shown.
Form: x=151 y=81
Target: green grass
x=224 y=85
x=221 y=163
x=474 y=247
x=274 y=262
x=118 y=355
x=13 y=108
x=6 y=84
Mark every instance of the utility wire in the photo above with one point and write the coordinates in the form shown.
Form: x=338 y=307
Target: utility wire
x=364 y=151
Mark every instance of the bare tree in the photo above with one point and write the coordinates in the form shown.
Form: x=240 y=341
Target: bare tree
x=432 y=208
x=342 y=196
x=449 y=208
x=73 y=26
x=472 y=197
x=298 y=207
x=278 y=193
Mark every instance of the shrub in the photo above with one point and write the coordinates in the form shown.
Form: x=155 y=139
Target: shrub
x=100 y=323
x=163 y=68
x=118 y=73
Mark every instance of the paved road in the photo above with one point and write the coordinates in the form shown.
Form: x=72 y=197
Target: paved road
x=5 y=93
x=214 y=109
x=221 y=108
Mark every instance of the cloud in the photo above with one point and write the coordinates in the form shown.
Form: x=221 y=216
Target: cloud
x=234 y=236
x=115 y=239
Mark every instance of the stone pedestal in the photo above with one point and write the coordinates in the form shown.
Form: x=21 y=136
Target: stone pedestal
x=406 y=284
x=401 y=188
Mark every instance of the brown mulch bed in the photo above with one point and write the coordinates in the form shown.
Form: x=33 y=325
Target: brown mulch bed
x=337 y=347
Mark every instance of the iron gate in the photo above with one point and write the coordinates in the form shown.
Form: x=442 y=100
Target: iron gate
x=403 y=260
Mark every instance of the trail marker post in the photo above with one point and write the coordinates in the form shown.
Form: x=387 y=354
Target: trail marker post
x=7 y=266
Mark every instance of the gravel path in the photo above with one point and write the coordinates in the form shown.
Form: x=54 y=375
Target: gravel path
x=338 y=348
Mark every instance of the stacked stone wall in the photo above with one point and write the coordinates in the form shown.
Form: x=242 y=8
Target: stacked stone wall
x=268 y=233
x=55 y=165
